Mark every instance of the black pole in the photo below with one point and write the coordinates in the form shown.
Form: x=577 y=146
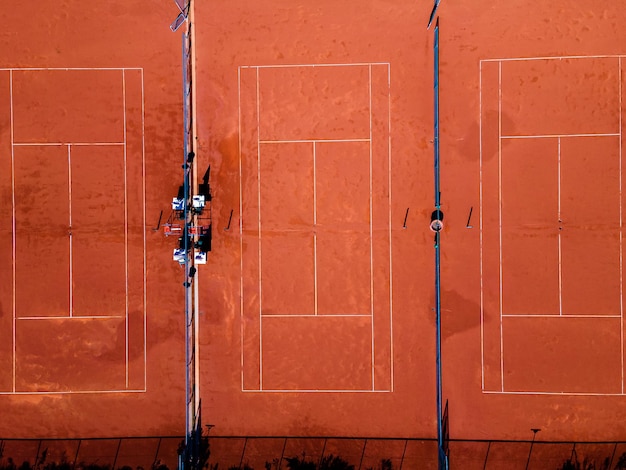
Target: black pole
x=530 y=451
x=442 y=458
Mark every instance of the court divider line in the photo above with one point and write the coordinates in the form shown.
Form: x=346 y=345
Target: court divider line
x=558 y=197
x=564 y=57
x=313 y=315
x=145 y=250
x=500 y=217
x=14 y=227
x=480 y=223
x=258 y=147
x=371 y=216
x=74 y=317
x=304 y=141
x=389 y=220
x=554 y=136
x=59 y=144
x=621 y=237
x=286 y=66
x=241 y=303
x=72 y=392
x=71 y=270
x=67 y=69
x=315 y=292
x=125 y=224
x=315 y=391
x=535 y=392
x=555 y=315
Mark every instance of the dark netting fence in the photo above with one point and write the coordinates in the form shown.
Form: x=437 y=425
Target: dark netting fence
x=419 y=454
x=111 y=453
x=299 y=453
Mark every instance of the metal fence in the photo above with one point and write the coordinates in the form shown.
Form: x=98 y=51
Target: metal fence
x=275 y=453
x=191 y=290
x=69 y=454
x=285 y=452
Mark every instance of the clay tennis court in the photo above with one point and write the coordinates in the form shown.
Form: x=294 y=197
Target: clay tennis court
x=548 y=134
x=82 y=175
x=532 y=292
x=316 y=305
x=89 y=333
x=554 y=262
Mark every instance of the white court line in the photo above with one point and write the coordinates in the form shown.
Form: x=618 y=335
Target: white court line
x=557 y=315
x=390 y=225
x=258 y=149
x=314 y=142
x=314 y=391
x=67 y=69
x=558 y=193
x=69 y=144
x=194 y=148
x=480 y=223
x=58 y=144
x=75 y=317
x=500 y=216
x=69 y=186
x=554 y=136
x=286 y=66
x=517 y=59
x=304 y=141
x=241 y=315
x=73 y=392
x=13 y=228
x=145 y=251
x=335 y=230
x=309 y=315
x=621 y=248
x=371 y=188
x=315 y=293
x=578 y=394
x=558 y=136
x=125 y=222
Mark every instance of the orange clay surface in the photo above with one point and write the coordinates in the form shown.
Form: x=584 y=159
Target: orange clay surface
x=316 y=306
x=91 y=337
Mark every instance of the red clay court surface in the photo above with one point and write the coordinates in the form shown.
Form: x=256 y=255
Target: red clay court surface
x=320 y=267
x=317 y=314
x=90 y=343
x=316 y=305
x=83 y=176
